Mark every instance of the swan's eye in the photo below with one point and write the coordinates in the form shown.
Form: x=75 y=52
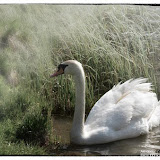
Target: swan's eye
x=63 y=66
x=59 y=67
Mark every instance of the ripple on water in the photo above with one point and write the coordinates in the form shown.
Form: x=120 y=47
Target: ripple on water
x=143 y=145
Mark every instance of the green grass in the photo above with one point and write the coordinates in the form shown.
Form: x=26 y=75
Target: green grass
x=9 y=145
x=114 y=43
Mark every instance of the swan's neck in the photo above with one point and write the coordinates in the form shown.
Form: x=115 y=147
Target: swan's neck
x=79 y=113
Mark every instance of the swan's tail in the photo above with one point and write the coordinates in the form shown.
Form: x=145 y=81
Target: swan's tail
x=154 y=120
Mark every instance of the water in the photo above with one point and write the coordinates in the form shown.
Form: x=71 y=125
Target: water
x=143 y=145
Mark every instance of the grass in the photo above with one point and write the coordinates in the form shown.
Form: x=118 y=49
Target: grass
x=9 y=145
x=114 y=43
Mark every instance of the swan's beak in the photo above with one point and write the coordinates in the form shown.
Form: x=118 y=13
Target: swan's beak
x=59 y=72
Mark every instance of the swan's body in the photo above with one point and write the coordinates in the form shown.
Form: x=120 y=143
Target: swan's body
x=126 y=111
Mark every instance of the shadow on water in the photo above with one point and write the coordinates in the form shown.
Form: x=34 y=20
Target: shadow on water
x=143 y=145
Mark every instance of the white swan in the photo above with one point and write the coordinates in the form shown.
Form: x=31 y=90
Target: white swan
x=126 y=111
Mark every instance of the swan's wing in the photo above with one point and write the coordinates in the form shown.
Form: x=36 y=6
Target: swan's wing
x=119 y=91
x=123 y=103
x=116 y=94
x=132 y=108
x=115 y=118
x=119 y=117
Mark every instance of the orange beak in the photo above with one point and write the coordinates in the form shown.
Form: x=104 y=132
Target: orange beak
x=59 y=72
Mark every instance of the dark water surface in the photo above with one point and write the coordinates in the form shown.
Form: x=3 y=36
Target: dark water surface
x=143 y=145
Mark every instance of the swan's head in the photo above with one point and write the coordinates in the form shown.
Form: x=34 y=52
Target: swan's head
x=71 y=67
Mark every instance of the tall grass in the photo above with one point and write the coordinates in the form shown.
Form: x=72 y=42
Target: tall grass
x=114 y=43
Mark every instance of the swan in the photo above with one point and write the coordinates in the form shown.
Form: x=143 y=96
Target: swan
x=128 y=110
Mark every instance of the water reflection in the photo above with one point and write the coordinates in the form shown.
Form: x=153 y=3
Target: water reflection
x=143 y=145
